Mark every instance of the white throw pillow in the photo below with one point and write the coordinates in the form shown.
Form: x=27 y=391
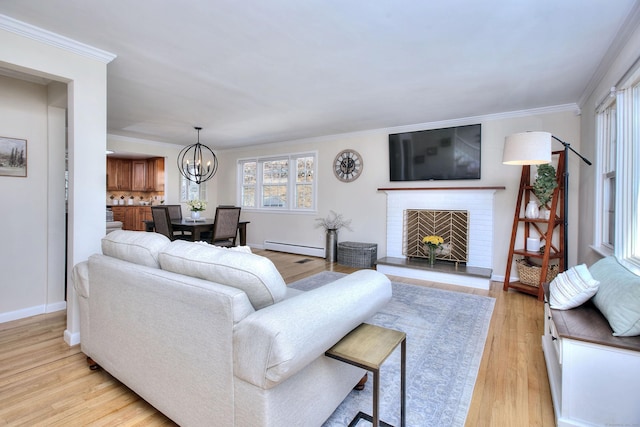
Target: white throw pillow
x=572 y=288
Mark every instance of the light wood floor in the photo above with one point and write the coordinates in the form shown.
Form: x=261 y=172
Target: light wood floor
x=43 y=382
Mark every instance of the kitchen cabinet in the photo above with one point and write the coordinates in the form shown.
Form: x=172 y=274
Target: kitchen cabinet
x=118 y=213
x=135 y=175
x=155 y=174
x=118 y=174
x=139 y=175
x=132 y=217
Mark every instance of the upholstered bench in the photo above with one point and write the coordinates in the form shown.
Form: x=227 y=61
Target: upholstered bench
x=357 y=254
x=593 y=360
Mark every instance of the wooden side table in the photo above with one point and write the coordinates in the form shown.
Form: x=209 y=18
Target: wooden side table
x=367 y=347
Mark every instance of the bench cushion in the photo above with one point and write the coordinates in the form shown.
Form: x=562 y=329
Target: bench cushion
x=618 y=297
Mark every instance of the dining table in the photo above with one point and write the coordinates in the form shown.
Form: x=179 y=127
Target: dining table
x=194 y=226
x=197 y=226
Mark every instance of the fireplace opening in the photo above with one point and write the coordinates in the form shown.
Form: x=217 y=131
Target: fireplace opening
x=451 y=225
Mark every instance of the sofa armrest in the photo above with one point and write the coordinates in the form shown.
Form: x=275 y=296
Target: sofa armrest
x=278 y=341
x=80 y=279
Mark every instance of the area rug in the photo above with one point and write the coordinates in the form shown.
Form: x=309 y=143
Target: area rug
x=446 y=332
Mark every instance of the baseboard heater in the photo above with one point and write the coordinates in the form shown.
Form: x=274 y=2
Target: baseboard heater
x=294 y=248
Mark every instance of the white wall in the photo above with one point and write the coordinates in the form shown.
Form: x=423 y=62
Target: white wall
x=32 y=258
x=23 y=115
x=85 y=75
x=360 y=200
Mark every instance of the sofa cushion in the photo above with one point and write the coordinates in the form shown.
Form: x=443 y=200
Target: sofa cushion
x=572 y=288
x=254 y=274
x=618 y=297
x=138 y=247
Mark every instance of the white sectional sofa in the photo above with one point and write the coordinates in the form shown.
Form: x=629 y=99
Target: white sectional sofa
x=213 y=336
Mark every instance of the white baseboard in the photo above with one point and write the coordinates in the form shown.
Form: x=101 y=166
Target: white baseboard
x=32 y=311
x=71 y=338
x=294 y=248
x=56 y=306
x=435 y=276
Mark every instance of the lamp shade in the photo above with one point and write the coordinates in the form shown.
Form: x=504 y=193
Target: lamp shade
x=527 y=148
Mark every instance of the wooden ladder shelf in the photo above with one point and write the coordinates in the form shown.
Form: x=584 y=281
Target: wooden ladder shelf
x=538 y=227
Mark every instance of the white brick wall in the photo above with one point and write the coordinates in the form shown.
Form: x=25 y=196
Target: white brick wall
x=478 y=202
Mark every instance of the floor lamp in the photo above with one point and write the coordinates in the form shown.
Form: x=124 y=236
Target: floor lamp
x=534 y=148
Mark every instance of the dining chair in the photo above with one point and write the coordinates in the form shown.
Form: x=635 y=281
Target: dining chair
x=175 y=213
x=162 y=223
x=225 y=226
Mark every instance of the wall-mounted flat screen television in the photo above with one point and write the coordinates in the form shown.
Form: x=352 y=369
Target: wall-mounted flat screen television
x=435 y=154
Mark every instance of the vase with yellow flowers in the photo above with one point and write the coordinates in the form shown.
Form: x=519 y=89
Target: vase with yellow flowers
x=431 y=243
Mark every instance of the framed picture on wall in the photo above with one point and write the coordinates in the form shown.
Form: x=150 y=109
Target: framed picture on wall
x=13 y=157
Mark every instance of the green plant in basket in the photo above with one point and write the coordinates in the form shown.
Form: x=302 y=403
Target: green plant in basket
x=545 y=183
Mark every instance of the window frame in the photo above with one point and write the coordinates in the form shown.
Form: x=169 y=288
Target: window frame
x=291 y=184
x=606 y=124
x=626 y=246
x=185 y=190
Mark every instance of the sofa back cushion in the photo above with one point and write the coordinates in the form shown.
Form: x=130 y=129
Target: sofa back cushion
x=254 y=274
x=618 y=297
x=138 y=247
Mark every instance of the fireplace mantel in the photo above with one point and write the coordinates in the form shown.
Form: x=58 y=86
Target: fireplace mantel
x=440 y=188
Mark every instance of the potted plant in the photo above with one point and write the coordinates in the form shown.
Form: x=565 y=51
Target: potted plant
x=196 y=206
x=331 y=224
x=544 y=185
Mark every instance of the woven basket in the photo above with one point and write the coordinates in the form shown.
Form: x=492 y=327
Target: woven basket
x=530 y=274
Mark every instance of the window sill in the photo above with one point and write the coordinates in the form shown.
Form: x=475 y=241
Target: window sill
x=604 y=251
x=280 y=211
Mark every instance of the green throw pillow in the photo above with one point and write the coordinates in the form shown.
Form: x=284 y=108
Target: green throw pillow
x=618 y=297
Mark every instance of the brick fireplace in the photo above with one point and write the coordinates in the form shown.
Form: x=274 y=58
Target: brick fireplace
x=477 y=202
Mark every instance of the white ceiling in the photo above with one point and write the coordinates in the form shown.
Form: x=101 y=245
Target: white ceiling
x=256 y=71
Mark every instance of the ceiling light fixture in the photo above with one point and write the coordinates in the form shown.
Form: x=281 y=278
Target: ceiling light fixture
x=192 y=159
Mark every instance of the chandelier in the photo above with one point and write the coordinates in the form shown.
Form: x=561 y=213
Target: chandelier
x=196 y=162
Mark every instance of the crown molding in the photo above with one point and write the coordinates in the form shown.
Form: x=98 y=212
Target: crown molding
x=38 y=34
x=631 y=24
x=573 y=107
x=562 y=108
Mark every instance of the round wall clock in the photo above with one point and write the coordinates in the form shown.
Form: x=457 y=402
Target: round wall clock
x=348 y=165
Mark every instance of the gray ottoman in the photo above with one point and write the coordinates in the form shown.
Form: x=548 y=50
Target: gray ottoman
x=357 y=254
